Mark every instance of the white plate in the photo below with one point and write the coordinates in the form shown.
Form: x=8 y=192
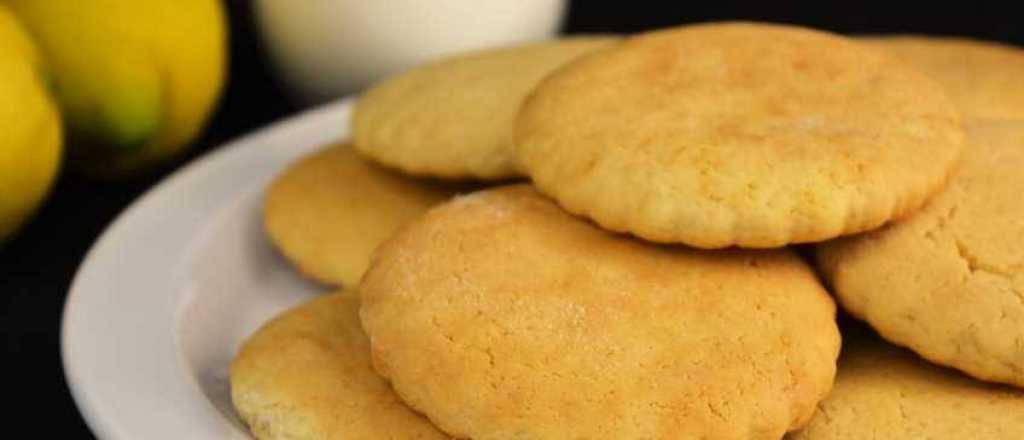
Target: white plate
x=168 y=292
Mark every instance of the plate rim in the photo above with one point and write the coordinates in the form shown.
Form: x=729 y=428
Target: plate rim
x=86 y=394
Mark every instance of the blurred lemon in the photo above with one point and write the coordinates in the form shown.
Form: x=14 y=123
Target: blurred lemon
x=136 y=79
x=30 y=133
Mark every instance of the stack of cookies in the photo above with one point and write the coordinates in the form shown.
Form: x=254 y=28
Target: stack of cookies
x=593 y=238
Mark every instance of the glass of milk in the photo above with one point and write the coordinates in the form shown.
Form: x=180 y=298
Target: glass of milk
x=328 y=48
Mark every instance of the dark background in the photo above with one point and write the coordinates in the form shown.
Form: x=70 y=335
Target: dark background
x=36 y=267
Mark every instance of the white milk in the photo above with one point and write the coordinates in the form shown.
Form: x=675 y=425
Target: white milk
x=328 y=48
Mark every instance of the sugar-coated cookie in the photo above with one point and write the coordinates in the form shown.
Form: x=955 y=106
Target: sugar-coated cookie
x=948 y=282
x=884 y=392
x=330 y=210
x=983 y=78
x=500 y=316
x=744 y=134
x=454 y=118
x=307 y=375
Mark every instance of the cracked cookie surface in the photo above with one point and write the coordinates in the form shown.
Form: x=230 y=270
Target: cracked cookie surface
x=948 y=282
x=328 y=211
x=743 y=134
x=983 y=78
x=307 y=375
x=885 y=392
x=454 y=118
x=500 y=316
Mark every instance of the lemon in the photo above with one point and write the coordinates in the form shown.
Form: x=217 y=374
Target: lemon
x=136 y=79
x=30 y=132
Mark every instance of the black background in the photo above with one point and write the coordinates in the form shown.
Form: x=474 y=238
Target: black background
x=36 y=267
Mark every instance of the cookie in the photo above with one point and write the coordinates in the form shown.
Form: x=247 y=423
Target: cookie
x=454 y=118
x=982 y=78
x=500 y=316
x=329 y=211
x=883 y=392
x=307 y=374
x=948 y=282
x=744 y=134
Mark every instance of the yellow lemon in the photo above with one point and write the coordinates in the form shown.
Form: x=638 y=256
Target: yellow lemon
x=136 y=79
x=30 y=132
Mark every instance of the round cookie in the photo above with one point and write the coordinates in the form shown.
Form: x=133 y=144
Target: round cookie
x=883 y=392
x=330 y=210
x=500 y=316
x=307 y=374
x=454 y=118
x=982 y=78
x=743 y=134
x=948 y=282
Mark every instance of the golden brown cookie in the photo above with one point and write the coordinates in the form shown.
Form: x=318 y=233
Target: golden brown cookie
x=948 y=282
x=883 y=392
x=454 y=118
x=307 y=375
x=500 y=316
x=330 y=210
x=744 y=134
x=982 y=78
